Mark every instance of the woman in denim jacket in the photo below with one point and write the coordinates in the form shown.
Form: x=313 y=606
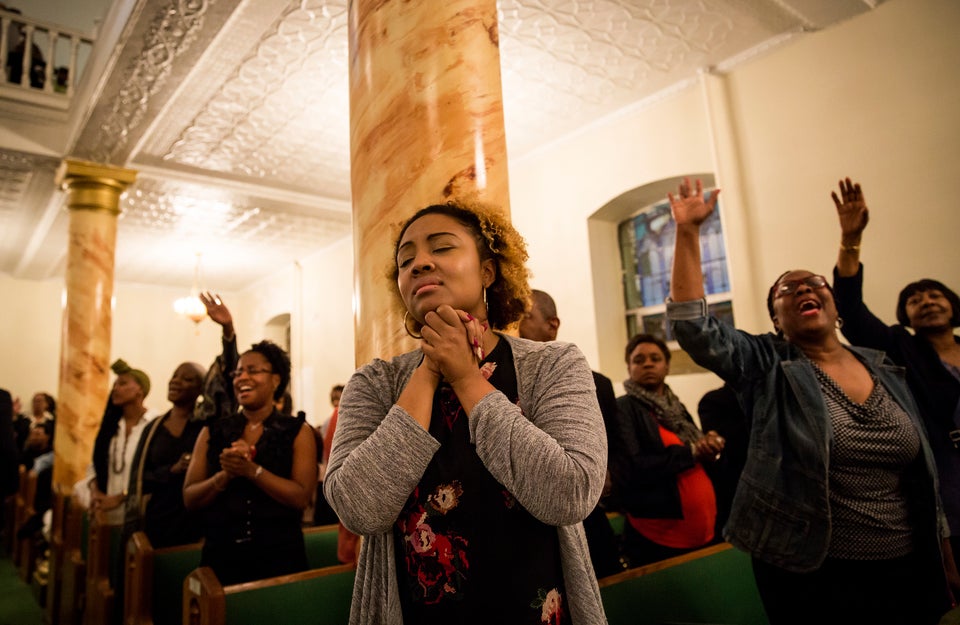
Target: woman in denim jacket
x=838 y=500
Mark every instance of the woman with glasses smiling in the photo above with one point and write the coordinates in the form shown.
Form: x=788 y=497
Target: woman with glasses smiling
x=253 y=472
x=838 y=500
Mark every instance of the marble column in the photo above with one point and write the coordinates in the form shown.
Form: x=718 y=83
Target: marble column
x=93 y=199
x=426 y=126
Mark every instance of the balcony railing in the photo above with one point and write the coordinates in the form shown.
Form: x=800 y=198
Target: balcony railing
x=41 y=57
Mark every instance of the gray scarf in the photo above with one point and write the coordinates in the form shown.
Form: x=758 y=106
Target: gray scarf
x=668 y=410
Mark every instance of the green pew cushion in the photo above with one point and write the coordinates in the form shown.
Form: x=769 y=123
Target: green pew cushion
x=717 y=589
x=319 y=601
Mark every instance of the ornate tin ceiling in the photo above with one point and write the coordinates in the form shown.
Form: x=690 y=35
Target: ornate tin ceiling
x=235 y=113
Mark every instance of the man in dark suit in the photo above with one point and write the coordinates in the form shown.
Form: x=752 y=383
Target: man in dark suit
x=541 y=324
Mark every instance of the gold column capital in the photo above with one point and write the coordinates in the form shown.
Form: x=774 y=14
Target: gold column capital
x=93 y=186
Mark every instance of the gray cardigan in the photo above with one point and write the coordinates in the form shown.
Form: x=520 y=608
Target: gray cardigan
x=550 y=452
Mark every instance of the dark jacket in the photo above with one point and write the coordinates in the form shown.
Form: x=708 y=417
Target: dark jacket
x=645 y=479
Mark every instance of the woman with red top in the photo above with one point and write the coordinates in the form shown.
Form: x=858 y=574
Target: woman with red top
x=661 y=483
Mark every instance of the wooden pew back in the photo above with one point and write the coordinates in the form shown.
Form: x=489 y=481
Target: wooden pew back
x=156 y=573
x=23 y=510
x=103 y=565
x=319 y=596
x=73 y=577
x=153 y=573
x=60 y=505
x=711 y=585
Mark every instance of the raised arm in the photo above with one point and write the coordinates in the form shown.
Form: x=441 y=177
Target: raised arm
x=854 y=215
x=229 y=357
x=689 y=210
x=860 y=326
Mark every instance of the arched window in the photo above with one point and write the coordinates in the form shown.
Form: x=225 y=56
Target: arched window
x=646 y=241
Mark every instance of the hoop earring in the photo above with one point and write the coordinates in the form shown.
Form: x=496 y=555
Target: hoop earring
x=407 y=329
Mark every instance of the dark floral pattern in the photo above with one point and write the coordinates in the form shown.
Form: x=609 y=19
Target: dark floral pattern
x=437 y=561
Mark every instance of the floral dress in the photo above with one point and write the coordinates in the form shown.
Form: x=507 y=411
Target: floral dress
x=467 y=551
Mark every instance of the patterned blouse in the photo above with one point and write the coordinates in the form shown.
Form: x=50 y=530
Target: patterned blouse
x=467 y=551
x=875 y=448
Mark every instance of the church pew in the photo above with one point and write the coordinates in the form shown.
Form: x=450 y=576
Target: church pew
x=103 y=565
x=9 y=523
x=321 y=544
x=160 y=572
x=60 y=505
x=319 y=597
x=710 y=585
x=24 y=553
x=73 y=576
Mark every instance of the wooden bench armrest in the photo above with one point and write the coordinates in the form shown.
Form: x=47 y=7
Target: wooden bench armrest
x=204 y=602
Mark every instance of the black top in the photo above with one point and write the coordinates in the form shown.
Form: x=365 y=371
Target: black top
x=248 y=534
x=9 y=479
x=467 y=551
x=166 y=521
x=720 y=411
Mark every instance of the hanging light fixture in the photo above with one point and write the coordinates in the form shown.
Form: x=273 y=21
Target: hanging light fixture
x=190 y=306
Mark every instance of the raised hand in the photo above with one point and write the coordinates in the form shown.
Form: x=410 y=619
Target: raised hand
x=216 y=309
x=852 y=211
x=689 y=207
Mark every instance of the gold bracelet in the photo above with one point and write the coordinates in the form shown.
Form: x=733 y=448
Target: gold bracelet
x=849 y=248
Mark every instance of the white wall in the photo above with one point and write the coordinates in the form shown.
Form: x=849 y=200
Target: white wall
x=874 y=98
x=147 y=333
x=317 y=292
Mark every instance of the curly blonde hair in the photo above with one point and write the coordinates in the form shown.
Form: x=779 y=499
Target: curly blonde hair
x=508 y=296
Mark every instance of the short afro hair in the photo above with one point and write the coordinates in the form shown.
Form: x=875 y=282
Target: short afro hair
x=279 y=362
x=927 y=284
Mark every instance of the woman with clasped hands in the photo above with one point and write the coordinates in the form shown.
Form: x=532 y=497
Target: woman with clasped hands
x=468 y=464
x=838 y=500
x=253 y=473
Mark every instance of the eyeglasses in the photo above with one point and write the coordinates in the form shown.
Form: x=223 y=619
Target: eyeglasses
x=249 y=371
x=788 y=287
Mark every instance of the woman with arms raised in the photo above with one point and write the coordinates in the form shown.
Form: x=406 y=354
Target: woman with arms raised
x=838 y=500
x=930 y=353
x=253 y=473
x=468 y=465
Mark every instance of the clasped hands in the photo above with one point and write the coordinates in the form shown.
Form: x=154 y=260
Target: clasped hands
x=452 y=343
x=237 y=459
x=708 y=448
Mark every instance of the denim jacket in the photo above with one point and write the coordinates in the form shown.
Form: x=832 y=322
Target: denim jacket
x=781 y=510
